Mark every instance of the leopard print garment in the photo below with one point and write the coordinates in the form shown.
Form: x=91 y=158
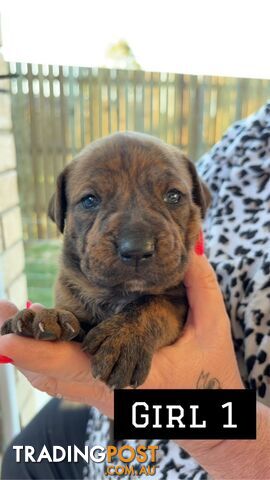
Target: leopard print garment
x=237 y=226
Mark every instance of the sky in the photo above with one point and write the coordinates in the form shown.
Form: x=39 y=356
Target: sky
x=203 y=37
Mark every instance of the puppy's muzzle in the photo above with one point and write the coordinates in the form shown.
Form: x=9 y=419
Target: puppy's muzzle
x=136 y=248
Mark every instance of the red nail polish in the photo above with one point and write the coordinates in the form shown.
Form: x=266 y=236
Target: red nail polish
x=29 y=304
x=199 y=247
x=4 y=359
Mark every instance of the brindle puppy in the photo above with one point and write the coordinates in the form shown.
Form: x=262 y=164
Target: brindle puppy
x=130 y=208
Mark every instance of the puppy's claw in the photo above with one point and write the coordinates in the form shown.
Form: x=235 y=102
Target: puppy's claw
x=69 y=327
x=19 y=326
x=41 y=327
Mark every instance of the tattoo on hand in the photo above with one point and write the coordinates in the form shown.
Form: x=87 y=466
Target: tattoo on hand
x=205 y=381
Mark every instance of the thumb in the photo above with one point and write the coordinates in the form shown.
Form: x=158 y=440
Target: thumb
x=203 y=292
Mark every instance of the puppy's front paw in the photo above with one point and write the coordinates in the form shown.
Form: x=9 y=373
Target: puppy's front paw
x=120 y=356
x=47 y=324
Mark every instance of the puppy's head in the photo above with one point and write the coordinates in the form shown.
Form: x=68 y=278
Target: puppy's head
x=130 y=207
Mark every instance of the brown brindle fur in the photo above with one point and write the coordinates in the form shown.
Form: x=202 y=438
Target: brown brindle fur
x=122 y=312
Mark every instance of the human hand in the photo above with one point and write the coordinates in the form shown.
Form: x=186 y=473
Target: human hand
x=58 y=368
x=202 y=358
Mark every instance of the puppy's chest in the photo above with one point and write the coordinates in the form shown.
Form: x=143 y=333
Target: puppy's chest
x=96 y=309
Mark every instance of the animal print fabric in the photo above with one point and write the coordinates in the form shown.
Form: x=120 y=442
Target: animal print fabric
x=236 y=228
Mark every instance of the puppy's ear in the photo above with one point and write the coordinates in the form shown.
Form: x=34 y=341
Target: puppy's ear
x=58 y=203
x=200 y=192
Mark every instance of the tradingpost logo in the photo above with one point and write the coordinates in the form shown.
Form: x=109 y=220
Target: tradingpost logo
x=116 y=460
x=127 y=454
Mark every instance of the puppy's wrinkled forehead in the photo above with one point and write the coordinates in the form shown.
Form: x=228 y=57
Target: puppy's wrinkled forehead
x=127 y=160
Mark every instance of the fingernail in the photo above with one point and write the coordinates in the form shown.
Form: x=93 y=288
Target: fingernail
x=4 y=359
x=199 y=247
x=29 y=304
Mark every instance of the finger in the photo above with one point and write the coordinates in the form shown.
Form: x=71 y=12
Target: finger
x=59 y=359
x=204 y=295
x=92 y=392
x=95 y=394
x=37 y=307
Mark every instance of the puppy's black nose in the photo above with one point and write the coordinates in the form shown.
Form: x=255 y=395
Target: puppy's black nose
x=136 y=248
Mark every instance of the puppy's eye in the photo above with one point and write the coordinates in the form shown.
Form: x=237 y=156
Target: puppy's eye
x=172 y=196
x=91 y=201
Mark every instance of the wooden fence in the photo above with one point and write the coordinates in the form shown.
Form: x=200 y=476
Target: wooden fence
x=57 y=110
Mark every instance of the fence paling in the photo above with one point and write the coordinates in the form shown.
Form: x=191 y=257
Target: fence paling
x=58 y=109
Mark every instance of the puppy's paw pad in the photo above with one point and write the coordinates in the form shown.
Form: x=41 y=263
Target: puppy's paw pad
x=104 y=361
x=131 y=369
x=21 y=323
x=96 y=338
x=70 y=326
x=6 y=328
x=122 y=362
x=45 y=325
x=141 y=370
x=55 y=324
x=119 y=356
